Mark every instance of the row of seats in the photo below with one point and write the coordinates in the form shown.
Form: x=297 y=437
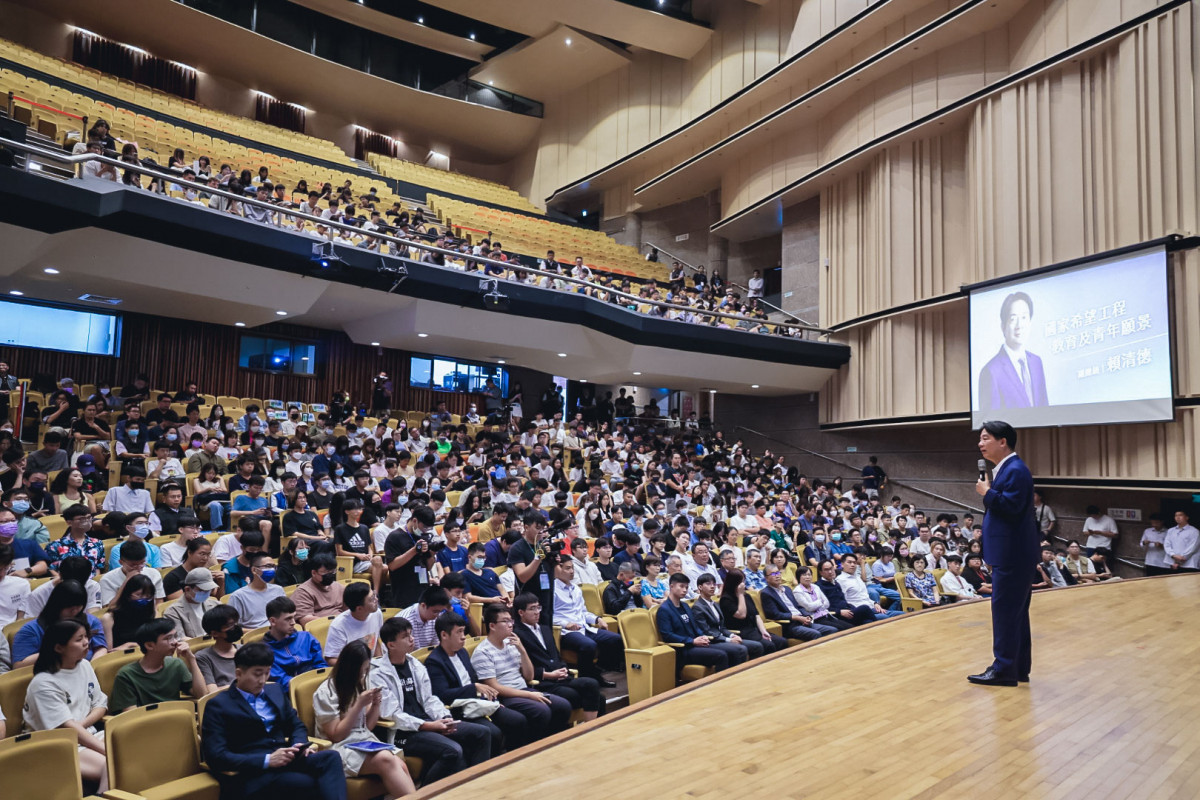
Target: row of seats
x=533 y=236
x=453 y=182
x=166 y=103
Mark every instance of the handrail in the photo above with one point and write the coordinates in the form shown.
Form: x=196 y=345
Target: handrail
x=76 y=161
x=35 y=104
x=935 y=495
x=745 y=289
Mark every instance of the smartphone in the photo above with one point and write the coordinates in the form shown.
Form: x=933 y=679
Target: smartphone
x=300 y=748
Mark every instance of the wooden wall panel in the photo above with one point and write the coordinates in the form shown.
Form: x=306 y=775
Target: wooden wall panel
x=171 y=352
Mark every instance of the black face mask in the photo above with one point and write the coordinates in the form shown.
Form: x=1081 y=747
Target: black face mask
x=234 y=634
x=328 y=579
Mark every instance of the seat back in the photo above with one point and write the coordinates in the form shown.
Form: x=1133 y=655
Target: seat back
x=319 y=628
x=43 y=764
x=108 y=665
x=131 y=738
x=301 y=689
x=754 y=595
x=592 y=597
x=13 y=686
x=637 y=629
x=10 y=630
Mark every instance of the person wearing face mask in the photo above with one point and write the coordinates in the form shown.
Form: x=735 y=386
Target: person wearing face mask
x=250 y=419
x=29 y=560
x=817 y=550
x=216 y=662
x=251 y=600
x=188 y=613
x=131 y=496
x=17 y=501
x=136 y=527
x=838 y=546
x=291 y=569
x=130 y=609
x=321 y=594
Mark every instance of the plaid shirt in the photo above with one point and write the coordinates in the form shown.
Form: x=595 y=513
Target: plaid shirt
x=91 y=549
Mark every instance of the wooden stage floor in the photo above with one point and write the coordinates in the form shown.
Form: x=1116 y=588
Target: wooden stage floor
x=1113 y=711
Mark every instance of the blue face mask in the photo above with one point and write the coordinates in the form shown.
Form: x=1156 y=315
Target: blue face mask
x=339 y=472
x=142 y=531
x=142 y=602
x=479 y=562
x=171 y=437
x=20 y=506
x=268 y=575
x=301 y=554
x=201 y=598
x=837 y=537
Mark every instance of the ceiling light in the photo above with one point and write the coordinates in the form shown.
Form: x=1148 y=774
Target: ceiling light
x=491 y=83
x=585 y=212
x=374 y=344
x=281 y=313
x=18 y=293
x=562 y=355
x=472 y=37
x=500 y=361
x=754 y=386
x=304 y=358
x=420 y=20
x=637 y=373
x=50 y=271
x=583 y=380
x=239 y=324
x=568 y=41
x=422 y=335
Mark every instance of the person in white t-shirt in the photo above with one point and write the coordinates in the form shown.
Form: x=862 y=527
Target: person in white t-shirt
x=14 y=589
x=1101 y=530
x=173 y=553
x=361 y=620
x=1152 y=542
x=71 y=568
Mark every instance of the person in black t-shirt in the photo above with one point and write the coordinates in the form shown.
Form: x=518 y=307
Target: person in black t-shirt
x=525 y=559
x=406 y=552
x=675 y=477
x=352 y=538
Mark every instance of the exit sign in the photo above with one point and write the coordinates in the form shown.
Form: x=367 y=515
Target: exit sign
x=1127 y=514
x=683 y=237
x=851 y=449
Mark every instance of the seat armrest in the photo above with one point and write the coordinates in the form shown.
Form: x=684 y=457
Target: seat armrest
x=384 y=722
x=117 y=794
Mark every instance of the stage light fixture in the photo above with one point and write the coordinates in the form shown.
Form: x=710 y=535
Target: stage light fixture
x=325 y=255
x=398 y=272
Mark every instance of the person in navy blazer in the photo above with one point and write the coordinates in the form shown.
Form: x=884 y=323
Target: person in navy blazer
x=445 y=682
x=1014 y=377
x=252 y=730
x=1011 y=546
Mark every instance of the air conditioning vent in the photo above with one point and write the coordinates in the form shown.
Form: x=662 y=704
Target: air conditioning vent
x=99 y=298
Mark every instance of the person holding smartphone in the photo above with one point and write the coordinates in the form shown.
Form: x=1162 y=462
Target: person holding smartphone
x=347 y=709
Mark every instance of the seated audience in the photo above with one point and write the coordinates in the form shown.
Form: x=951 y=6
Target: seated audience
x=596 y=648
x=67 y=601
x=166 y=669
x=321 y=594
x=360 y=622
x=295 y=651
x=854 y=589
x=677 y=626
x=549 y=670
x=216 y=661
x=132 y=608
x=252 y=599
x=187 y=613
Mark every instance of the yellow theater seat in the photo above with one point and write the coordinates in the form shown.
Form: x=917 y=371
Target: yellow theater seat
x=135 y=735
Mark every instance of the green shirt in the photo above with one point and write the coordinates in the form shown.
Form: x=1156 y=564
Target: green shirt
x=133 y=686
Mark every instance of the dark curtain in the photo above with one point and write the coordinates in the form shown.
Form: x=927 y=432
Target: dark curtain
x=368 y=142
x=120 y=61
x=278 y=113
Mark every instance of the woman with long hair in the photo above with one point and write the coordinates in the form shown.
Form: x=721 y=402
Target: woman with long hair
x=208 y=491
x=743 y=615
x=347 y=711
x=67 y=490
x=65 y=693
x=130 y=609
x=67 y=601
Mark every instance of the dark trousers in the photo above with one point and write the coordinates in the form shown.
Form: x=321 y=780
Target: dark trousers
x=514 y=729
x=1012 y=590
x=834 y=621
x=596 y=651
x=446 y=754
x=580 y=692
x=319 y=776
x=541 y=720
x=1157 y=570
x=713 y=655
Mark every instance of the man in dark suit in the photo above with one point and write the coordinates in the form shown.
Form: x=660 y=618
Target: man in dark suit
x=548 y=667
x=780 y=606
x=251 y=729
x=678 y=626
x=446 y=680
x=1014 y=377
x=1011 y=548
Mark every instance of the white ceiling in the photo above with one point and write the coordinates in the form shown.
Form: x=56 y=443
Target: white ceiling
x=609 y=18
x=556 y=63
x=195 y=286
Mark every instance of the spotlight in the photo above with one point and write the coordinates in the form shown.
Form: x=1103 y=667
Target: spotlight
x=325 y=255
x=398 y=271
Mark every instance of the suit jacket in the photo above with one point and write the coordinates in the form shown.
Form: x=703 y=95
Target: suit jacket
x=545 y=657
x=1010 y=532
x=1000 y=385
x=234 y=737
x=677 y=625
x=835 y=596
x=616 y=596
x=774 y=608
x=444 y=678
x=711 y=620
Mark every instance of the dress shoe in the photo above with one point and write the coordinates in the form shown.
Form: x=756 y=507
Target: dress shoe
x=989 y=678
x=604 y=682
x=1023 y=679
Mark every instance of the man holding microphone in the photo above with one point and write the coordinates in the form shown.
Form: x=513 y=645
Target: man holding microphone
x=1010 y=546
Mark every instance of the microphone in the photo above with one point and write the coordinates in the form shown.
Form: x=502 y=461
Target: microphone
x=983 y=476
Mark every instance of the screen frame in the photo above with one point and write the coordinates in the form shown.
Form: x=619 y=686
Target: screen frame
x=118 y=326
x=1169 y=244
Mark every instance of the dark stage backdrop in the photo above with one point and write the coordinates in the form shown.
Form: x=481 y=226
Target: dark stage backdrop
x=172 y=351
